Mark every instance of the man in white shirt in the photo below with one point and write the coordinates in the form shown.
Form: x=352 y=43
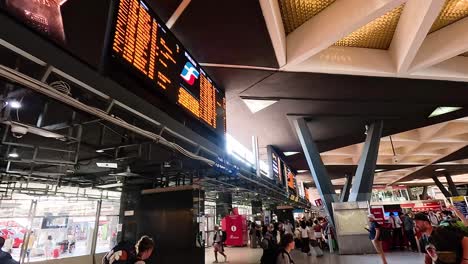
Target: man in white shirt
x=397 y=230
x=288 y=228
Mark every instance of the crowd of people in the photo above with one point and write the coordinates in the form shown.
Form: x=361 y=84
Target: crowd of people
x=442 y=236
x=277 y=239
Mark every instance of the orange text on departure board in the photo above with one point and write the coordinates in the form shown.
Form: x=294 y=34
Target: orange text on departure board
x=189 y=102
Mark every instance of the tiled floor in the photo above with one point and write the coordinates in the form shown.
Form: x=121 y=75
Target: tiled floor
x=252 y=256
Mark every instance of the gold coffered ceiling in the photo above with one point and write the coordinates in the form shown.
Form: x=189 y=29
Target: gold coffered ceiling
x=452 y=11
x=296 y=12
x=378 y=34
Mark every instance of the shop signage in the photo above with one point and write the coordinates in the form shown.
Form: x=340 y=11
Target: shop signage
x=460 y=203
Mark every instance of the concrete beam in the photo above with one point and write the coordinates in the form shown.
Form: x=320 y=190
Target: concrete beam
x=317 y=168
x=364 y=179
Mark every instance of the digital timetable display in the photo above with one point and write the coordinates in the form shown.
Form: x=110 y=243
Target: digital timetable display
x=142 y=41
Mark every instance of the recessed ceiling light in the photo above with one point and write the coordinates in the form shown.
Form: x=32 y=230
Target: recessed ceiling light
x=290 y=153
x=100 y=151
x=442 y=110
x=14 y=154
x=257 y=105
x=379 y=170
x=440 y=169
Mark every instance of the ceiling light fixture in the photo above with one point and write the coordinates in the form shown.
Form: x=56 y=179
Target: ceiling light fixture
x=255 y=105
x=111 y=185
x=302 y=171
x=440 y=169
x=14 y=104
x=290 y=153
x=442 y=110
x=14 y=154
x=111 y=165
x=100 y=151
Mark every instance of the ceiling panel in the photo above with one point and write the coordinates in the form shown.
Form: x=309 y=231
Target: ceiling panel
x=452 y=11
x=378 y=34
x=233 y=33
x=164 y=8
x=297 y=12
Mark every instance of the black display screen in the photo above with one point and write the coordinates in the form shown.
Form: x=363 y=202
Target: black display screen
x=77 y=26
x=142 y=41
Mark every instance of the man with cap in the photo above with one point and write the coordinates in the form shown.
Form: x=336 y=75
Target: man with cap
x=442 y=245
x=375 y=237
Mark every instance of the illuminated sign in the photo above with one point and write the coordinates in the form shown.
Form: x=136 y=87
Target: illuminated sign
x=142 y=41
x=189 y=73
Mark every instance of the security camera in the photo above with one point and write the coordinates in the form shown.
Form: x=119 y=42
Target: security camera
x=18 y=131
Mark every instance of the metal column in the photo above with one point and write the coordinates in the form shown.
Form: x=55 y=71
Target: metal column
x=27 y=235
x=317 y=169
x=451 y=185
x=96 y=229
x=346 y=188
x=364 y=179
x=256 y=155
x=441 y=187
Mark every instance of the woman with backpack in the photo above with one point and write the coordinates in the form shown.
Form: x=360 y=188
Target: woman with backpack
x=218 y=241
x=269 y=246
x=286 y=246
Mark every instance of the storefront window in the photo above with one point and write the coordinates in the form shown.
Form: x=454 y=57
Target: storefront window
x=108 y=226
x=13 y=224
x=57 y=227
x=62 y=228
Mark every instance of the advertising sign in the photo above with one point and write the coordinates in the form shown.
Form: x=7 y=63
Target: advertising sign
x=460 y=203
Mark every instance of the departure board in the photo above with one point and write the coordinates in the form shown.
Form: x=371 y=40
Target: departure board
x=142 y=41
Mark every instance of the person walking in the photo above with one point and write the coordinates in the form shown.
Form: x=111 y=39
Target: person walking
x=397 y=231
x=269 y=246
x=5 y=257
x=375 y=236
x=408 y=224
x=441 y=245
x=305 y=238
x=288 y=228
x=286 y=246
x=48 y=247
x=313 y=241
x=126 y=253
x=218 y=244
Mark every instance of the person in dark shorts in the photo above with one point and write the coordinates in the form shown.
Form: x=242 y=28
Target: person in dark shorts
x=218 y=244
x=442 y=245
x=375 y=237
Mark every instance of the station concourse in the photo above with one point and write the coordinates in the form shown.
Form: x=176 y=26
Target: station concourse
x=192 y=131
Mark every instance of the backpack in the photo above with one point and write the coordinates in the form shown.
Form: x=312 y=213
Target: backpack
x=224 y=236
x=123 y=253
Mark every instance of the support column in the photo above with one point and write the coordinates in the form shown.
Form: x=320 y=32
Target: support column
x=451 y=185
x=319 y=173
x=424 y=194
x=346 y=188
x=256 y=207
x=364 y=179
x=441 y=187
x=223 y=205
x=95 y=230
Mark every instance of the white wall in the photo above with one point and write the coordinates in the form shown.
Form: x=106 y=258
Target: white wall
x=75 y=260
